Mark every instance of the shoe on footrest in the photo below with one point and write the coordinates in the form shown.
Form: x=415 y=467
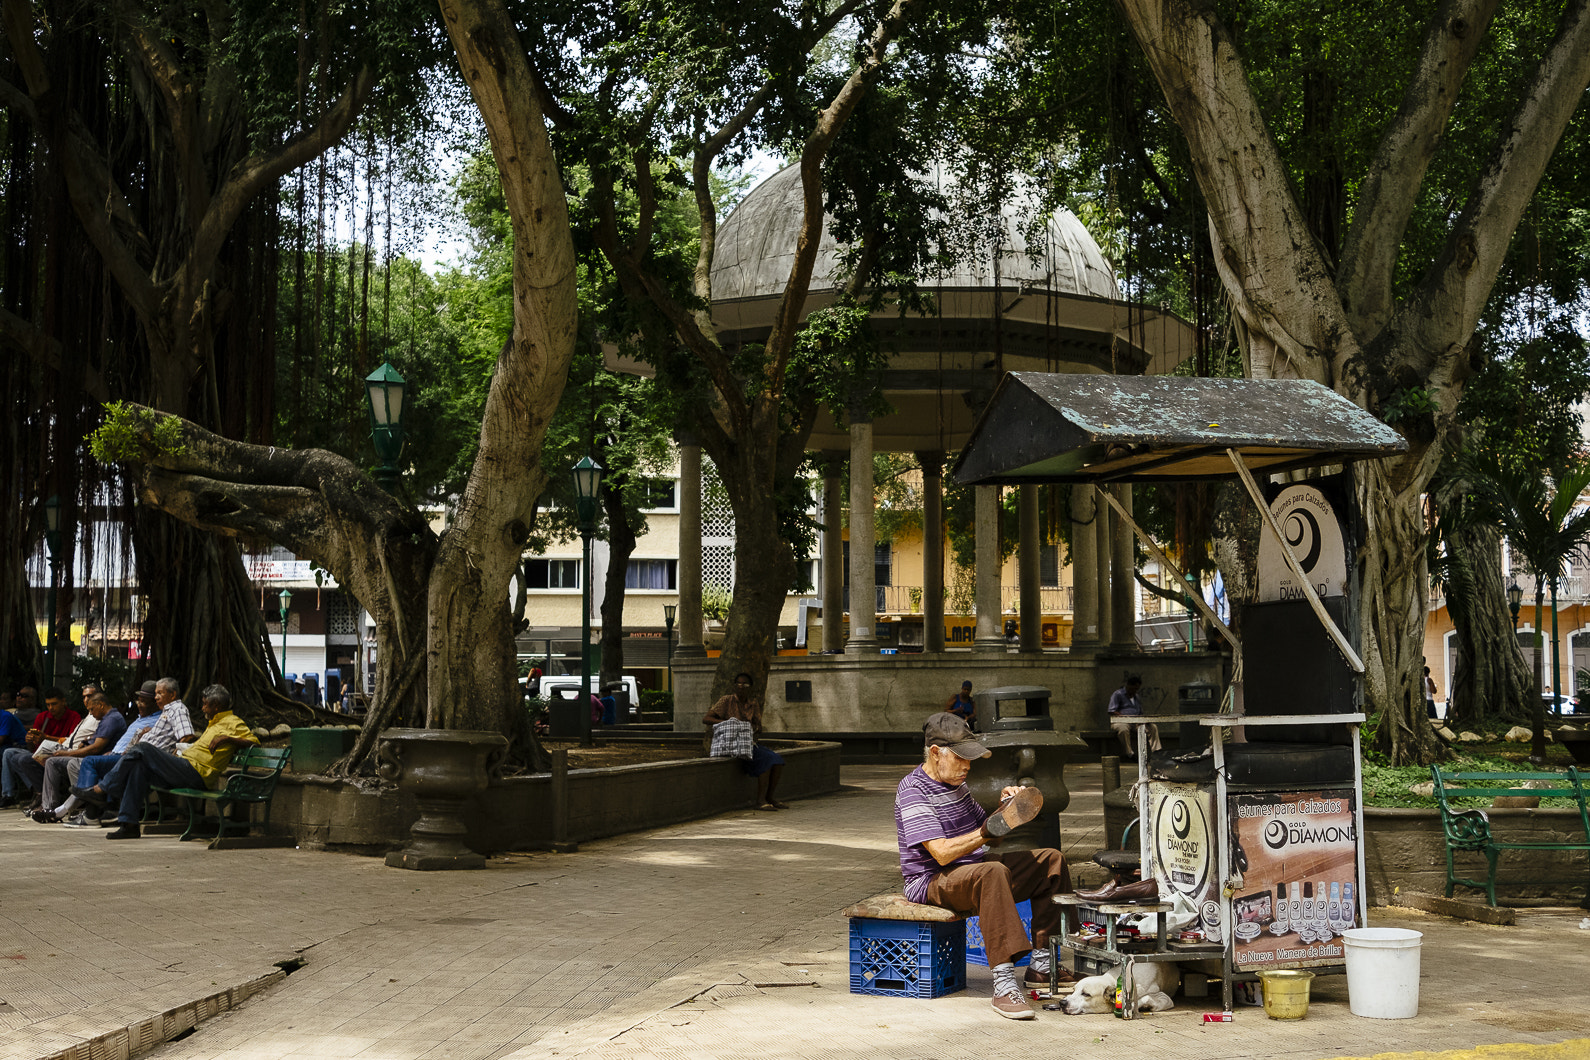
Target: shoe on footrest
x=1036 y=980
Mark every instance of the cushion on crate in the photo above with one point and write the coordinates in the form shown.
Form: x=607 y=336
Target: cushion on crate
x=896 y=907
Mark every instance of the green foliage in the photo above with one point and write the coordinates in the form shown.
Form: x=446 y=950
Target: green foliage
x=135 y=435
x=716 y=602
x=1386 y=785
x=654 y=701
x=1524 y=403
x=1540 y=517
x=113 y=676
x=1408 y=403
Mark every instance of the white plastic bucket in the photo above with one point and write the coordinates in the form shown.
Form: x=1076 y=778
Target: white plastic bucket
x=1383 y=972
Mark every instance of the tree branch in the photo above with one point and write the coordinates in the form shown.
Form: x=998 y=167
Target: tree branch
x=176 y=91
x=781 y=341
x=1268 y=260
x=98 y=202
x=47 y=352
x=1446 y=308
x=1390 y=188
x=259 y=170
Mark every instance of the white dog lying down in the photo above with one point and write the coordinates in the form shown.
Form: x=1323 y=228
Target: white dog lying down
x=1154 y=983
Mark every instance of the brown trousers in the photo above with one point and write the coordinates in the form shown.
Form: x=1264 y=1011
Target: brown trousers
x=991 y=889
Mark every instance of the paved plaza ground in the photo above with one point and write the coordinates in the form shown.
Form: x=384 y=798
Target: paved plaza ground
x=718 y=938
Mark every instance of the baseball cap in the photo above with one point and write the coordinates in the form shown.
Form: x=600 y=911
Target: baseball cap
x=949 y=730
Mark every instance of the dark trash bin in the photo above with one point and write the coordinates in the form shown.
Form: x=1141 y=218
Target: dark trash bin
x=563 y=710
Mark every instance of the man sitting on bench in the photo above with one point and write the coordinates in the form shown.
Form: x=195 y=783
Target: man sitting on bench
x=946 y=862
x=143 y=765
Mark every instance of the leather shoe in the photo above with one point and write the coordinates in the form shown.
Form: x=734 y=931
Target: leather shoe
x=1036 y=980
x=89 y=795
x=1119 y=892
x=126 y=831
x=1014 y=812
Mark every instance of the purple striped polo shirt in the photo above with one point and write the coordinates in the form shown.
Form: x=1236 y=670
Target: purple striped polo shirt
x=926 y=809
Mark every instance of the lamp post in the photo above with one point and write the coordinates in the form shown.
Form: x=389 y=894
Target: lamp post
x=384 y=390
x=1515 y=600
x=52 y=540
x=669 y=611
x=587 y=482
x=286 y=598
x=1192 y=615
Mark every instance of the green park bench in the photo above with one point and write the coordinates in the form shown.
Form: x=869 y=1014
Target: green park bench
x=1469 y=829
x=251 y=778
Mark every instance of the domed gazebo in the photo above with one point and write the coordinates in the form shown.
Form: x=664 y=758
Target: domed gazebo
x=1037 y=297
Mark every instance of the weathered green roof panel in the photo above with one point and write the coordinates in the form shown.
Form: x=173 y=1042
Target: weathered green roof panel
x=1044 y=427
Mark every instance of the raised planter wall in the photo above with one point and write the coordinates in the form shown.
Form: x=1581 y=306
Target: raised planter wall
x=516 y=813
x=1405 y=848
x=894 y=693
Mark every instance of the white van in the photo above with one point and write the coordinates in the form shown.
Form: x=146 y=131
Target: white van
x=544 y=689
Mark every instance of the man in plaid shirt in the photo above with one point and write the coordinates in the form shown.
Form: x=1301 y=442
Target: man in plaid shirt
x=945 y=859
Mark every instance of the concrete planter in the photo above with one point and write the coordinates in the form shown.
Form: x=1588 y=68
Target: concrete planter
x=516 y=813
x=443 y=770
x=1404 y=848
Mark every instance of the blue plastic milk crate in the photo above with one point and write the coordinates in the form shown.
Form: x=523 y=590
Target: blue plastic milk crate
x=975 y=951
x=907 y=958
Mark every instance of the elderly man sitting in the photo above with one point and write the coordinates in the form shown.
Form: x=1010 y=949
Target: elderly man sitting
x=198 y=762
x=945 y=859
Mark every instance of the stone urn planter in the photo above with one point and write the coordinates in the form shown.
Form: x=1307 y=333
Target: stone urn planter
x=443 y=769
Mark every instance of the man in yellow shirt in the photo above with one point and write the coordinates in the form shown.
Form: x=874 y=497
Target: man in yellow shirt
x=193 y=766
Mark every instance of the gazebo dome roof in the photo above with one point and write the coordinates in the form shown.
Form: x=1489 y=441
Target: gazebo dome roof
x=756 y=247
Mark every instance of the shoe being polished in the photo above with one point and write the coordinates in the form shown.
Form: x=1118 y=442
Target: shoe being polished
x=1014 y=812
x=1115 y=891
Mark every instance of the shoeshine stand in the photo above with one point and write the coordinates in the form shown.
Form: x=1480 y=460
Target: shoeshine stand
x=1254 y=828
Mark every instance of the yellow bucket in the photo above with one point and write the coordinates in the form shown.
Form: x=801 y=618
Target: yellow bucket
x=1286 y=993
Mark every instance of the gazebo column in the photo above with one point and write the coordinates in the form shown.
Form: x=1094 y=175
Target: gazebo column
x=1123 y=587
x=690 y=646
x=932 y=464
x=1084 y=570
x=863 y=550
x=833 y=466
x=1028 y=571
x=990 y=636
x=1102 y=520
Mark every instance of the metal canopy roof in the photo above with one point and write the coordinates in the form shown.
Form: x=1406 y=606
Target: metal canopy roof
x=1045 y=427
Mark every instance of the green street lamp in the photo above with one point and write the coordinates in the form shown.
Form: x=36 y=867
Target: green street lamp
x=385 y=389
x=669 y=611
x=286 y=598
x=52 y=540
x=587 y=484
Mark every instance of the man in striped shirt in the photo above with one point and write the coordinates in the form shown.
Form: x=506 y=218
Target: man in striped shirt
x=946 y=861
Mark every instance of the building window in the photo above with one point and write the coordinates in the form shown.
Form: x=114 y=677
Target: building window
x=882 y=565
x=659 y=494
x=552 y=573
x=1049 y=566
x=652 y=574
